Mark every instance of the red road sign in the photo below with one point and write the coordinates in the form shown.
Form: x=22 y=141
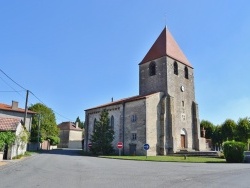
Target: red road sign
x=119 y=145
x=90 y=145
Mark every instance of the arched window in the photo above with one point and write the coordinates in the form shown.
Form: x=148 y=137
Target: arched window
x=186 y=72
x=152 y=69
x=112 y=122
x=183 y=132
x=175 y=68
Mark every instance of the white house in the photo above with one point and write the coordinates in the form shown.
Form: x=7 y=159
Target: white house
x=19 y=146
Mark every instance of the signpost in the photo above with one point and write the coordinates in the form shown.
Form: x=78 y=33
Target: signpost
x=119 y=146
x=146 y=147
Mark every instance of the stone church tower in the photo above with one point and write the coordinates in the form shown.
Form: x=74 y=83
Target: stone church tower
x=164 y=114
x=166 y=69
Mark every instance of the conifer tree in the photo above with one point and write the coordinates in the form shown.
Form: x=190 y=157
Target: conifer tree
x=80 y=123
x=102 y=136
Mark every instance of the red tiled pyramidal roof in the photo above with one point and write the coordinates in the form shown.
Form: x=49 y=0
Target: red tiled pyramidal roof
x=9 y=124
x=165 y=45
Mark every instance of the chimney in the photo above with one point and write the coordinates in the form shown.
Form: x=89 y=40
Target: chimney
x=14 y=105
x=77 y=124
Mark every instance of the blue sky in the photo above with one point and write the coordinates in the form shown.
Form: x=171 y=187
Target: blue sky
x=74 y=55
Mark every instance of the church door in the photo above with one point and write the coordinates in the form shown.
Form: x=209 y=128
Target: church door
x=183 y=141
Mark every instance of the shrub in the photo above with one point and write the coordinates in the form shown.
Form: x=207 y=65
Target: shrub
x=233 y=151
x=54 y=140
x=6 y=138
x=2 y=145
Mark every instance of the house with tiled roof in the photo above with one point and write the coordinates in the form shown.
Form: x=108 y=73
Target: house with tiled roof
x=164 y=114
x=13 y=125
x=13 y=111
x=71 y=136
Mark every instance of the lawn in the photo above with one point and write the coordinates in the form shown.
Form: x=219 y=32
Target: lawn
x=188 y=159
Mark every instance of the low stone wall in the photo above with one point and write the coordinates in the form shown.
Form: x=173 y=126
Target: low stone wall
x=247 y=156
x=75 y=144
x=53 y=147
x=32 y=146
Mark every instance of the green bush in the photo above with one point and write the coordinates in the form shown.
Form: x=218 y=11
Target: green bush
x=54 y=140
x=6 y=138
x=2 y=145
x=233 y=151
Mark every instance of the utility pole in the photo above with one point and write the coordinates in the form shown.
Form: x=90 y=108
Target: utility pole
x=38 y=132
x=26 y=108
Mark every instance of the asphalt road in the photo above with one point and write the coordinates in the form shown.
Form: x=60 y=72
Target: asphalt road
x=65 y=168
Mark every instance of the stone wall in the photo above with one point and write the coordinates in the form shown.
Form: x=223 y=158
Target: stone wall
x=152 y=84
x=64 y=139
x=182 y=104
x=75 y=144
x=179 y=117
x=154 y=130
x=75 y=139
x=114 y=110
x=135 y=121
x=33 y=146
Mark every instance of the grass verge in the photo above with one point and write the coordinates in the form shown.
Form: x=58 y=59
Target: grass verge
x=26 y=154
x=188 y=159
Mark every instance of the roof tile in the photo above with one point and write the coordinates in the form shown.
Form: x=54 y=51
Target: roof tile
x=68 y=126
x=165 y=45
x=9 y=124
x=9 y=108
x=121 y=101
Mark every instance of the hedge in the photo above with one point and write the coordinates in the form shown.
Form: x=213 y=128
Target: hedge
x=233 y=151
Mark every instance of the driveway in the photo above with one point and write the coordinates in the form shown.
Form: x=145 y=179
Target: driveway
x=66 y=168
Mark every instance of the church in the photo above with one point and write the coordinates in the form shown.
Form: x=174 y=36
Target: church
x=164 y=114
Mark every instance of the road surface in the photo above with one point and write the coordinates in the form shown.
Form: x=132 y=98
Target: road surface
x=67 y=169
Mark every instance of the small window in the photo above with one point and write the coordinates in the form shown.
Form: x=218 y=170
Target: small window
x=133 y=118
x=152 y=69
x=112 y=122
x=186 y=72
x=134 y=136
x=183 y=103
x=175 y=68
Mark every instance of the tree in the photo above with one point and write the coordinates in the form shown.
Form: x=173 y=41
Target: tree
x=80 y=123
x=228 y=129
x=102 y=136
x=217 y=137
x=48 y=127
x=243 y=130
x=209 y=127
